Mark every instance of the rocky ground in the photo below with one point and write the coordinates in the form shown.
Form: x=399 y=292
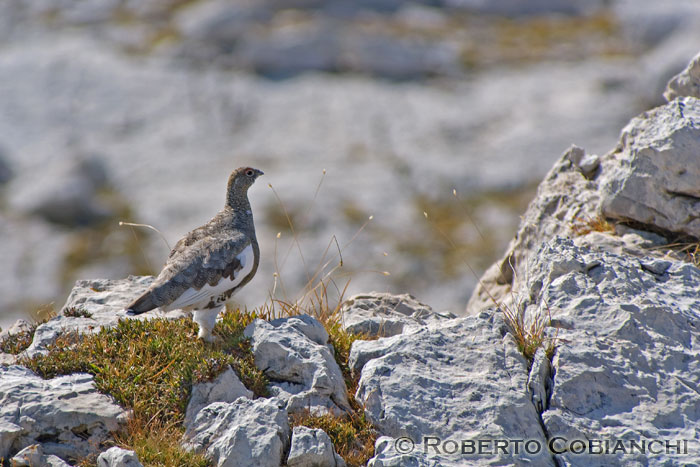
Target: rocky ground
x=605 y=259
x=137 y=111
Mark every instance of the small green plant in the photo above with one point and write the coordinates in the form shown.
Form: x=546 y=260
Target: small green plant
x=77 y=312
x=158 y=444
x=18 y=342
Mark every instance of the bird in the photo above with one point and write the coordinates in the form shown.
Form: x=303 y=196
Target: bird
x=209 y=264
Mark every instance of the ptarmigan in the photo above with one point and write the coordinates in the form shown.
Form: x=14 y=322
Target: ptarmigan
x=211 y=263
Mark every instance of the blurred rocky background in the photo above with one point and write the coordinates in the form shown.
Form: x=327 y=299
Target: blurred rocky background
x=136 y=111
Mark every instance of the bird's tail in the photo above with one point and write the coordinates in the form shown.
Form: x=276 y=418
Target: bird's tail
x=142 y=304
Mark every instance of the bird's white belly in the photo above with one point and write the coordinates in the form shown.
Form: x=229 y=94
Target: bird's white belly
x=197 y=299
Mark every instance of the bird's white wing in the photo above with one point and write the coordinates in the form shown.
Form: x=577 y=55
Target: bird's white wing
x=197 y=298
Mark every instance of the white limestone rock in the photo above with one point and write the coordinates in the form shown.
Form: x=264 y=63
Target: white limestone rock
x=243 y=433
x=627 y=361
x=685 y=83
x=383 y=314
x=19 y=326
x=9 y=432
x=462 y=380
x=118 y=457
x=227 y=387
x=65 y=414
x=312 y=448
x=564 y=199
x=104 y=300
x=34 y=455
x=651 y=179
x=294 y=353
x=587 y=164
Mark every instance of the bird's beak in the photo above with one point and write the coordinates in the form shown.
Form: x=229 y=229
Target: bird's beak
x=260 y=172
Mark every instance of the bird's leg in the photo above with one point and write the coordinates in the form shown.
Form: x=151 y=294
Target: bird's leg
x=206 y=319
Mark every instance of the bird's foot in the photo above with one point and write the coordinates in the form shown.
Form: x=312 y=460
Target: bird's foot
x=206 y=320
x=207 y=336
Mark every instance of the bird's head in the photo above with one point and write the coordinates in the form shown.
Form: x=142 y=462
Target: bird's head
x=243 y=177
x=238 y=183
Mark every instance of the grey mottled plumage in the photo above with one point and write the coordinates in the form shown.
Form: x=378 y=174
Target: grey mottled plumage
x=208 y=265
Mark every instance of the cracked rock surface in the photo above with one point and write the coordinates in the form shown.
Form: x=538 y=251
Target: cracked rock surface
x=628 y=366
x=242 y=433
x=294 y=353
x=463 y=380
x=65 y=415
x=384 y=314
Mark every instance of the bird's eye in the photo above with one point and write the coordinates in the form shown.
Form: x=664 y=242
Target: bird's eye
x=249 y=173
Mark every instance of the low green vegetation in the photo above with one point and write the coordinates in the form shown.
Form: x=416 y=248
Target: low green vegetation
x=352 y=435
x=18 y=342
x=149 y=366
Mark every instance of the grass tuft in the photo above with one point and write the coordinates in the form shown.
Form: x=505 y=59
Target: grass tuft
x=530 y=336
x=585 y=225
x=158 y=444
x=686 y=249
